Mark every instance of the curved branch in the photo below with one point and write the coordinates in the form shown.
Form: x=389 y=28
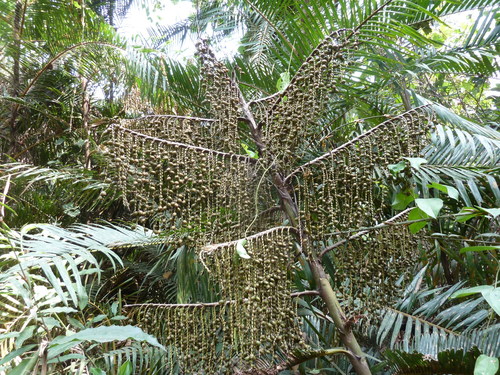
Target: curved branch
x=306 y=62
x=224 y=155
x=388 y=223
x=310 y=355
x=200 y=119
x=211 y=304
x=210 y=248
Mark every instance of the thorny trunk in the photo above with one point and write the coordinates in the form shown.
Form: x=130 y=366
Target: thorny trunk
x=289 y=206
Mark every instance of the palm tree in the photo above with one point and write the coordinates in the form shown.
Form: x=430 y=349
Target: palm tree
x=388 y=70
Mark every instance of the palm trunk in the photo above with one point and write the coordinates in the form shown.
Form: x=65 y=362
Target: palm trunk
x=85 y=120
x=16 y=73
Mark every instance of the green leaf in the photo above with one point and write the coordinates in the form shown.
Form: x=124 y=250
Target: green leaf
x=75 y=323
x=25 y=367
x=125 y=369
x=25 y=334
x=463 y=217
x=71 y=210
x=100 y=334
x=98 y=318
x=492 y=296
x=396 y=168
x=469 y=291
x=450 y=190
x=431 y=206
x=402 y=200
x=415 y=163
x=492 y=211
x=486 y=365
x=240 y=249
x=16 y=353
x=97 y=371
x=252 y=154
x=417 y=214
x=283 y=81
x=478 y=248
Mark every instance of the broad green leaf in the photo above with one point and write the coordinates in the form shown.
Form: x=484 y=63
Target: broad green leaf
x=431 y=206
x=97 y=371
x=24 y=335
x=9 y=335
x=71 y=210
x=402 y=200
x=416 y=162
x=450 y=190
x=26 y=366
x=492 y=296
x=486 y=365
x=478 y=248
x=75 y=323
x=396 y=168
x=118 y=317
x=492 y=211
x=469 y=291
x=98 y=318
x=100 y=334
x=417 y=214
x=283 y=81
x=466 y=213
x=66 y=357
x=16 y=353
x=125 y=369
x=252 y=154
x=240 y=249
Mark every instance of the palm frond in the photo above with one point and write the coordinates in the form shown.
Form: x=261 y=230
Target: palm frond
x=446 y=362
x=449 y=117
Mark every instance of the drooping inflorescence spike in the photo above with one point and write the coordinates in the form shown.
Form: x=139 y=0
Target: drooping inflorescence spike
x=254 y=273
x=254 y=323
x=221 y=95
x=344 y=190
x=291 y=122
x=189 y=332
x=371 y=271
x=210 y=195
x=184 y=129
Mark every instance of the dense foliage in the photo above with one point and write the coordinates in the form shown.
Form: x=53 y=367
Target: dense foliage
x=371 y=132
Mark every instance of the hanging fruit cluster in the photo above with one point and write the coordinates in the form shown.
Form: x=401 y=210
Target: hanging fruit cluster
x=190 y=333
x=344 y=190
x=250 y=326
x=292 y=120
x=221 y=97
x=371 y=271
x=161 y=184
x=254 y=273
x=183 y=129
